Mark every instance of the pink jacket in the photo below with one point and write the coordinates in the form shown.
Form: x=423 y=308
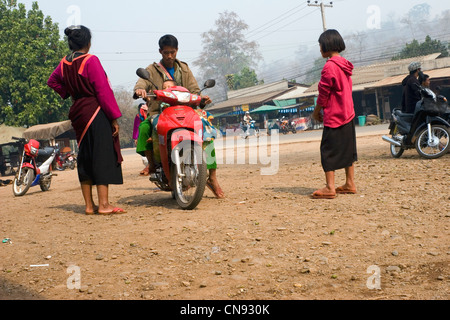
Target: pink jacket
x=336 y=92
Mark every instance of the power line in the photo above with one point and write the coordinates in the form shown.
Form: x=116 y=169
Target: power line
x=284 y=26
x=268 y=25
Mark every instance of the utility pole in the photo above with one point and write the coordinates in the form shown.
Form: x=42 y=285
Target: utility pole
x=322 y=8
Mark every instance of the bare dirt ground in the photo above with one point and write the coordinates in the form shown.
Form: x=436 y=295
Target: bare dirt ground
x=267 y=241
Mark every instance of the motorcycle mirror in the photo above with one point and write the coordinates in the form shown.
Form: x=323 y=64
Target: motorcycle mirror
x=144 y=74
x=210 y=83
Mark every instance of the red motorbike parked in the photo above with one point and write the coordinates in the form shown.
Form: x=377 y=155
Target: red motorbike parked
x=35 y=167
x=180 y=161
x=65 y=159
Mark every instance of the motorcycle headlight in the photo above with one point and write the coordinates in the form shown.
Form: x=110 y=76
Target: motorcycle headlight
x=183 y=97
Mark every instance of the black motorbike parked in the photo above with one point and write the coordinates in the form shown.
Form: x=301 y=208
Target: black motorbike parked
x=426 y=129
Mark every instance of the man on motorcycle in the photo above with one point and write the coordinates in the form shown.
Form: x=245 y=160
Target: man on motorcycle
x=247 y=118
x=169 y=68
x=411 y=88
x=246 y=122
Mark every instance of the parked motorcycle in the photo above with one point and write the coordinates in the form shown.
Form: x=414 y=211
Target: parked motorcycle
x=35 y=167
x=180 y=161
x=249 y=130
x=65 y=160
x=425 y=130
x=287 y=126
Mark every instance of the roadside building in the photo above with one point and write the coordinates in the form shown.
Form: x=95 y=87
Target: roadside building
x=264 y=102
x=377 y=89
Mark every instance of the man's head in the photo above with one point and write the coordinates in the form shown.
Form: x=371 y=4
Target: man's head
x=414 y=67
x=168 y=47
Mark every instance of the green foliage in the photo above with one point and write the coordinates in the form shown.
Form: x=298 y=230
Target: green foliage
x=30 y=49
x=416 y=49
x=244 y=79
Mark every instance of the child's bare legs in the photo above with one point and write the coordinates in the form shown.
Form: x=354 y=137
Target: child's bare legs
x=348 y=187
x=350 y=178
x=215 y=183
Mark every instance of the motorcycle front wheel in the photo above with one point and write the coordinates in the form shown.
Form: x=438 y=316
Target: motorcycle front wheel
x=396 y=152
x=21 y=187
x=435 y=147
x=189 y=183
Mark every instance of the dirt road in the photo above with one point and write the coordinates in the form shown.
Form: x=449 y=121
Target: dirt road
x=266 y=241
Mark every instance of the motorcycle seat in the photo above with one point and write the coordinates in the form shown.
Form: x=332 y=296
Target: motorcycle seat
x=399 y=113
x=408 y=117
x=46 y=152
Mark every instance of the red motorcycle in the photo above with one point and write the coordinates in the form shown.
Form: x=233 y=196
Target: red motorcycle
x=35 y=167
x=180 y=161
x=65 y=159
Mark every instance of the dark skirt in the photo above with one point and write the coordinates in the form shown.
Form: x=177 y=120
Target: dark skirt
x=97 y=159
x=338 y=149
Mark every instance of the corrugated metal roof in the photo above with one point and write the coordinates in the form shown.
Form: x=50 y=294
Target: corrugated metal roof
x=296 y=93
x=365 y=76
x=397 y=80
x=237 y=102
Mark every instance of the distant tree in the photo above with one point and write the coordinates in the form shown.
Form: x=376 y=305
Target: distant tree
x=129 y=110
x=30 y=49
x=226 y=51
x=244 y=79
x=416 y=49
x=416 y=17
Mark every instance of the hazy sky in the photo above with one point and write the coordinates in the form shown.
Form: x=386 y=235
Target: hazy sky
x=126 y=33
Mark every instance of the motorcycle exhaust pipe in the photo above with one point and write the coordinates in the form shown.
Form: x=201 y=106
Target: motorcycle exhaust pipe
x=392 y=141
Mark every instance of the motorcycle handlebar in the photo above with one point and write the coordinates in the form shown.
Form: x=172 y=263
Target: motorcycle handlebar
x=18 y=139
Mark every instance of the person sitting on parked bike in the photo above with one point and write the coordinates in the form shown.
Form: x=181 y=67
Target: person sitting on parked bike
x=424 y=80
x=169 y=68
x=411 y=88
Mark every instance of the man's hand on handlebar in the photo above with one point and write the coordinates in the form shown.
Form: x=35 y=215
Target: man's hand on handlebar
x=141 y=93
x=206 y=99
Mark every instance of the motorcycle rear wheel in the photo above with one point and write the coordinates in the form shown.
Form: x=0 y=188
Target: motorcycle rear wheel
x=189 y=184
x=440 y=145
x=20 y=188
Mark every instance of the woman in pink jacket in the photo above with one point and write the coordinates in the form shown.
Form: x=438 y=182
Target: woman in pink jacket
x=336 y=110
